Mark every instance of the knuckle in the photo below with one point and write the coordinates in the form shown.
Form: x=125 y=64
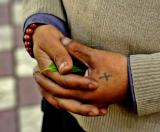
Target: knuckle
x=56 y=58
x=59 y=57
x=77 y=95
x=35 y=69
x=59 y=103
x=82 y=112
x=52 y=101
x=48 y=73
x=87 y=97
x=73 y=46
x=64 y=81
x=78 y=110
x=58 y=79
x=54 y=40
x=60 y=94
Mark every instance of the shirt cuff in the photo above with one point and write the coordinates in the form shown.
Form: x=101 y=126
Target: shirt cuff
x=45 y=18
x=131 y=94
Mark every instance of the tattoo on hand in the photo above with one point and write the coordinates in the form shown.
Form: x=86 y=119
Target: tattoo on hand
x=105 y=76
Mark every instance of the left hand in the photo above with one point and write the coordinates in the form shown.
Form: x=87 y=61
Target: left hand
x=107 y=68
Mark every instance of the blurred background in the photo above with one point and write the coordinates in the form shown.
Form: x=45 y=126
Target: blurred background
x=19 y=96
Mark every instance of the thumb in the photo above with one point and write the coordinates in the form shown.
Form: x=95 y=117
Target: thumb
x=53 y=52
x=78 y=50
x=42 y=58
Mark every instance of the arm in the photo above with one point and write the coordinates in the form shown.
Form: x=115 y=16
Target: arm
x=47 y=36
x=47 y=48
x=146 y=80
x=47 y=19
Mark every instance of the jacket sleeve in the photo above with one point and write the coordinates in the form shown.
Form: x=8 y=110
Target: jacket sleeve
x=54 y=7
x=145 y=71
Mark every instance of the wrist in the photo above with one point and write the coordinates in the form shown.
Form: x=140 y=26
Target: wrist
x=28 y=37
x=46 y=30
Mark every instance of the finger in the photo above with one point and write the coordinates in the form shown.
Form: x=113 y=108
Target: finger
x=79 y=51
x=42 y=58
x=72 y=81
x=62 y=92
x=77 y=107
x=103 y=111
x=49 y=98
x=58 y=54
x=71 y=105
x=55 y=89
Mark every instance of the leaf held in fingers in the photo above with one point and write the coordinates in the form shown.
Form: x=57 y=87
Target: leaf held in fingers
x=75 y=69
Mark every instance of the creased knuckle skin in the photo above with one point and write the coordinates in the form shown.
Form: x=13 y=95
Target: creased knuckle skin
x=54 y=103
x=87 y=97
x=36 y=69
x=64 y=83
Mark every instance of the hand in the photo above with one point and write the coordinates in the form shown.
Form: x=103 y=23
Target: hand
x=107 y=68
x=49 y=49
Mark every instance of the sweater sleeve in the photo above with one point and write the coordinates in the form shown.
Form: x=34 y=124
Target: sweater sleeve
x=45 y=18
x=54 y=7
x=146 y=80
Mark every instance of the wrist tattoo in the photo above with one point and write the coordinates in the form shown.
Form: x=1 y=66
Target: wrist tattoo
x=105 y=76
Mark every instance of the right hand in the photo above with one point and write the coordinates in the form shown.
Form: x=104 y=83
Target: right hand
x=48 y=49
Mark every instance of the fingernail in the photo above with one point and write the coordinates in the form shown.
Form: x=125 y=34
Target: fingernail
x=93 y=85
x=65 y=41
x=103 y=111
x=62 y=66
x=94 y=112
x=86 y=73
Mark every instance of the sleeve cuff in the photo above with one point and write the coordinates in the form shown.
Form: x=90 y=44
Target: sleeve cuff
x=131 y=94
x=45 y=18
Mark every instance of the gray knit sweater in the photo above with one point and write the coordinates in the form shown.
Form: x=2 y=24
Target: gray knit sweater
x=130 y=27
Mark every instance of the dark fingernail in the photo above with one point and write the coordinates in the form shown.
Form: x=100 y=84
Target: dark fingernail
x=94 y=112
x=93 y=85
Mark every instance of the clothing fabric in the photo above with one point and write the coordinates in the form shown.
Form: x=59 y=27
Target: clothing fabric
x=44 y=18
x=55 y=120
x=128 y=27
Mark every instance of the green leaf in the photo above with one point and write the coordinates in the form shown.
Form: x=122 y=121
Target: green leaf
x=53 y=68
